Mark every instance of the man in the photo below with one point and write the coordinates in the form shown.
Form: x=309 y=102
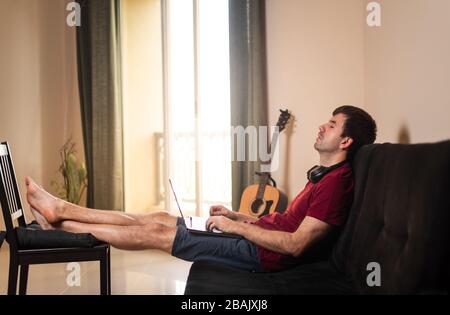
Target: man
x=273 y=242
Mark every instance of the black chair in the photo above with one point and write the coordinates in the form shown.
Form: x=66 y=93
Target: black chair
x=13 y=212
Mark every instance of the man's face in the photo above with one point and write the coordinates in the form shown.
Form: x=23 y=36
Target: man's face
x=329 y=137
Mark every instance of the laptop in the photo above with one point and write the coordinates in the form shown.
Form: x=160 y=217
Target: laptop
x=197 y=225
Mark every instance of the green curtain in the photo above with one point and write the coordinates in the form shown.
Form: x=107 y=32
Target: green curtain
x=99 y=67
x=248 y=81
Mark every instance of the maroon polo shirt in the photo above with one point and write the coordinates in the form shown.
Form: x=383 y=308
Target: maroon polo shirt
x=329 y=201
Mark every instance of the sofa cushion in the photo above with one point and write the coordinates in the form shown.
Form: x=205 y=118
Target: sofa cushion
x=213 y=278
x=206 y=278
x=360 y=166
x=404 y=219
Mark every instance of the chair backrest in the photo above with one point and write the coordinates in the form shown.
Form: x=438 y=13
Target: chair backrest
x=10 y=200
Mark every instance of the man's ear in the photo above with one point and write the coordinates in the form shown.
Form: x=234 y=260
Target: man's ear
x=346 y=143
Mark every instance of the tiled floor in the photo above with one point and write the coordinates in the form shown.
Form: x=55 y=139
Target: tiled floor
x=140 y=272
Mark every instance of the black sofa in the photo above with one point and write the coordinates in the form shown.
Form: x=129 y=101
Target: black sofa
x=399 y=219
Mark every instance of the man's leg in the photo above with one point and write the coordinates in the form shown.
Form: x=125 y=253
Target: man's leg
x=55 y=210
x=93 y=216
x=139 y=237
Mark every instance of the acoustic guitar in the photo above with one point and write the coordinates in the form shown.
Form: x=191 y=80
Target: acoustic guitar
x=264 y=198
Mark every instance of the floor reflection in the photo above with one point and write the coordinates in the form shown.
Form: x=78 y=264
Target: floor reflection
x=139 y=272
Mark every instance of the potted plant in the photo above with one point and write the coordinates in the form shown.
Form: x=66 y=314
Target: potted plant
x=74 y=175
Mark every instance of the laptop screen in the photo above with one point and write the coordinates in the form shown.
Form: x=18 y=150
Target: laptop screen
x=176 y=199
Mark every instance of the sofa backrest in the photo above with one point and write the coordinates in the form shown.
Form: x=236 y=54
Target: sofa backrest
x=360 y=166
x=399 y=220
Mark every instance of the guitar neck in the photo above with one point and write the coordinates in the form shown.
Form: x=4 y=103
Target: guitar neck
x=265 y=176
x=262 y=185
x=272 y=146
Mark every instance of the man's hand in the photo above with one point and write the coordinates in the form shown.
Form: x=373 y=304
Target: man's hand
x=221 y=211
x=221 y=223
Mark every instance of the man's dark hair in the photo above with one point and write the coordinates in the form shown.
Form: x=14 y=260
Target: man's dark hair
x=359 y=126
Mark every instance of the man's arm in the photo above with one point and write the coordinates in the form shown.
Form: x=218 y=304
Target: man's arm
x=232 y=215
x=310 y=231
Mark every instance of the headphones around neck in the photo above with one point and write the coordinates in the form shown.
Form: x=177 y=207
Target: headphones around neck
x=316 y=173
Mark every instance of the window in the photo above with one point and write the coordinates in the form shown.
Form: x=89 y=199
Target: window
x=197 y=143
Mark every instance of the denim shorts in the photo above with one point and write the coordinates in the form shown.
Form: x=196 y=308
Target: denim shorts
x=235 y=252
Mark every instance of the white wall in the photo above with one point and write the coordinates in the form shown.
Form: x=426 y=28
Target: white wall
x=315 y=64
x=322 y=54
x=143 y=105
x=39 y=105
x=408 y=70
x=39 y=102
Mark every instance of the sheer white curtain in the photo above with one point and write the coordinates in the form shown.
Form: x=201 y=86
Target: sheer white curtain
x=198 y=102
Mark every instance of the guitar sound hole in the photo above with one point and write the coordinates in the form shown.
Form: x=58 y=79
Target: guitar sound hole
x=256 y=205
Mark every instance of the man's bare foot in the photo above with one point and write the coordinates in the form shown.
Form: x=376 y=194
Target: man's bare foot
x=49 y=207
x=41 y=220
